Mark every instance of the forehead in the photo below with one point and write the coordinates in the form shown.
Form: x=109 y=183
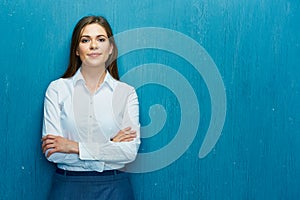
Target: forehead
x=93 y=30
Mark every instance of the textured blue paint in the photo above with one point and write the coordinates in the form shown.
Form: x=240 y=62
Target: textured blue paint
x=255 y=45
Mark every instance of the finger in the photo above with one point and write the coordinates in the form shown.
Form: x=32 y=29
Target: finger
x=50 y=142
x=133 y=131
x=47 y=147
x=129 y=134
x=47 y=141
x=44 y=144
x=127 y=140
x=122 y=133
x=130 y=131
x=127 y=128
x=52 y=151
x=50 y=146
x=49 y=137
x=128 y=137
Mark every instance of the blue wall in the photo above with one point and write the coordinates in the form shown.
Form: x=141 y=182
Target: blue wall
x=255 y=46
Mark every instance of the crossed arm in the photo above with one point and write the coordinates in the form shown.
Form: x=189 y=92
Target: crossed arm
x=55 y=143
x=121 y=149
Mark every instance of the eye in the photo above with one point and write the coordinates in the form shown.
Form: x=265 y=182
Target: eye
x=102 y=39
x=84 y=40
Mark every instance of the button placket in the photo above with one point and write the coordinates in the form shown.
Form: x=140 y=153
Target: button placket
x=90 y=114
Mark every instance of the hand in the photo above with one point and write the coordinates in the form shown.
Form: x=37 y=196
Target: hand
x=60 y=144
x=125 y=135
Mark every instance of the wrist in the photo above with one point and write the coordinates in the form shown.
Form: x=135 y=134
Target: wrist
x=74 y=148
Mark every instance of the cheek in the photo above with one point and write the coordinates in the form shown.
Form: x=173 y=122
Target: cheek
x=81 y=51
x=81 y=55
x=105 y=47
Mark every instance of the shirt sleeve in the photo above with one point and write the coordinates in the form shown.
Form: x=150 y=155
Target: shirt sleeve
x=52 y=125
x=117 y=152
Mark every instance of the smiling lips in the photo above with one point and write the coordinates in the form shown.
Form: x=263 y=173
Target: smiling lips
x=94 y=54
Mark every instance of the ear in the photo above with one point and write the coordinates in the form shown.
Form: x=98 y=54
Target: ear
x=77 y=52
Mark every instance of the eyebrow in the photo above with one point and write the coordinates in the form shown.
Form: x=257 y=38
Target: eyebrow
x=90 y=36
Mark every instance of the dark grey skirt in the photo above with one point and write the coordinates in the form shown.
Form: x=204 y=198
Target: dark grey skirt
x=114 y=187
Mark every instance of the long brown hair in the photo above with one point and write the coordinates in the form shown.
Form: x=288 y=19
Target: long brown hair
x=74 y=60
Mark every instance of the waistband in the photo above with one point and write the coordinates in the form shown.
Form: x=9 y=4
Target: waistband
x=87 y=173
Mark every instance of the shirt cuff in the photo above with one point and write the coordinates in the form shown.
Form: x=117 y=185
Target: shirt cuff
x=84 y=153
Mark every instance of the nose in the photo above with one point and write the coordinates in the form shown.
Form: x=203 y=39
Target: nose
x=94 y=44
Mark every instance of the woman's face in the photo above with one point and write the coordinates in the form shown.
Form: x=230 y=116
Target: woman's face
x=94 y=47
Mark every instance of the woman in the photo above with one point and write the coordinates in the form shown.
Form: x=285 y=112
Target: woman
x=91 y=120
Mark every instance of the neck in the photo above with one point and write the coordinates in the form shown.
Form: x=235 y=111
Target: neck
x=92 y=73
x=93 y=77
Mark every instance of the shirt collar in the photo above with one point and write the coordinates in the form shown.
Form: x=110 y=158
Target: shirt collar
x=108 y=80
x=77 y=78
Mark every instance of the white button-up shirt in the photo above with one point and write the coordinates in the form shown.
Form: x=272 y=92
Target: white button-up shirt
x=71 y=111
